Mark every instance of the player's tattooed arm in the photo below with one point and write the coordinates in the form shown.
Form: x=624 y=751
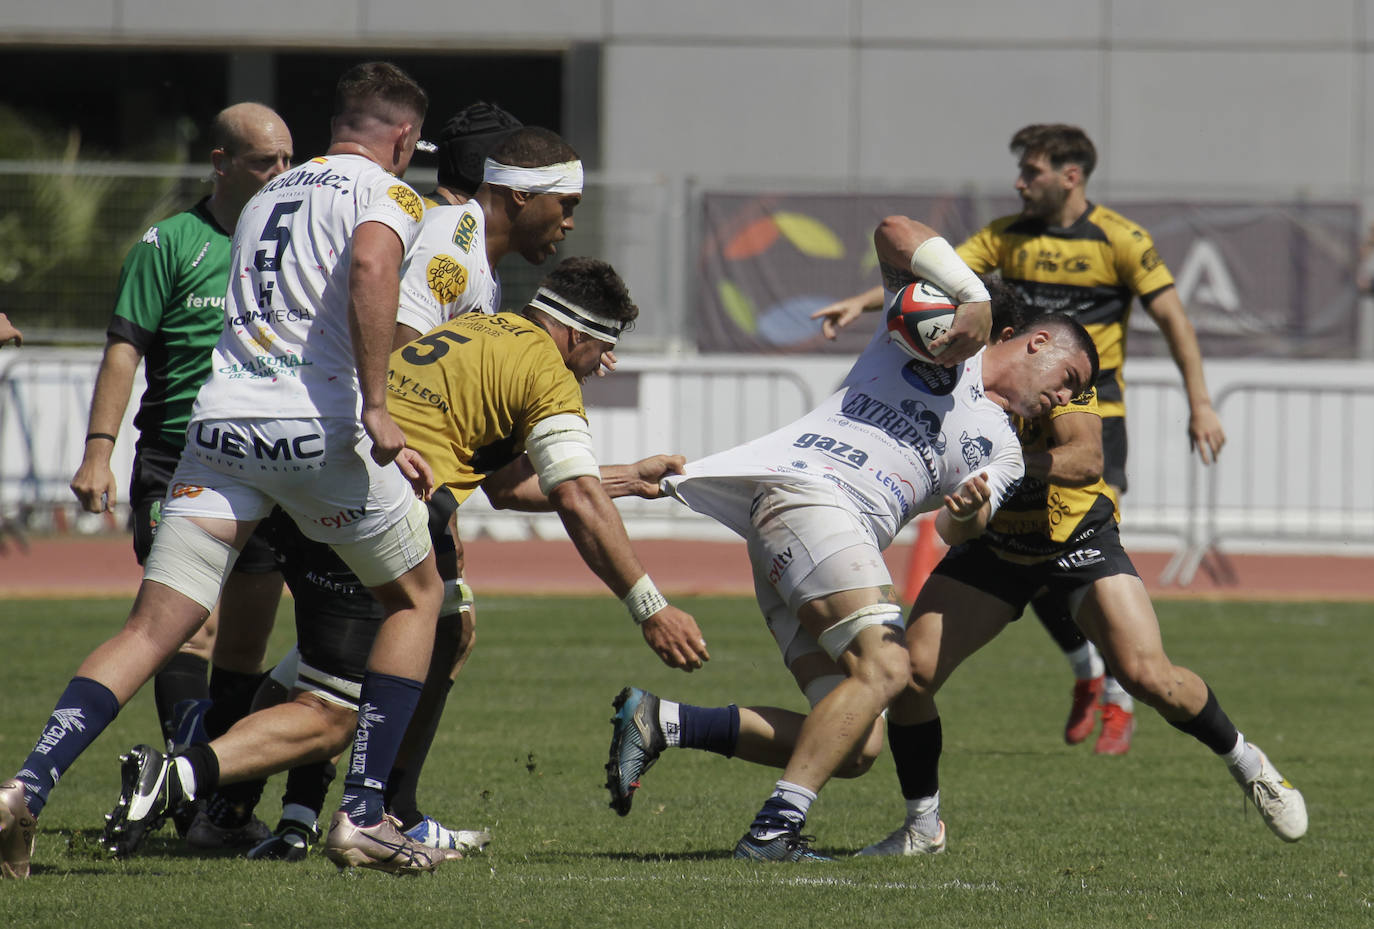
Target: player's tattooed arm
x=894 y=279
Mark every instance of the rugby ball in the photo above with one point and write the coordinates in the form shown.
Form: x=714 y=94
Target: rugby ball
x=919 y=315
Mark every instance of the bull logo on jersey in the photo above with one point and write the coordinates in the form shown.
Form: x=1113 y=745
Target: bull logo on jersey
x=927 y=423
x=1077 y=265
x=446 y=277
x=1150 y=259
x=408 y=200
x=975 y=449
x=465 y=232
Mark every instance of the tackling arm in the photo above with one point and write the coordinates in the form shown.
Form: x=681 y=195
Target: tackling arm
x=1075 y=458
x=594 y=525
x=516 y=486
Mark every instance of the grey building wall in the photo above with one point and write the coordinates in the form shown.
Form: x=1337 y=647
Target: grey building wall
x=1189 y=96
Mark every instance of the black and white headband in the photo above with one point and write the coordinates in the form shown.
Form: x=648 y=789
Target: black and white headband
x=575 y=317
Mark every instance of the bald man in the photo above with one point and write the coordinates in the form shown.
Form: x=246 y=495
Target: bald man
x=169 y=312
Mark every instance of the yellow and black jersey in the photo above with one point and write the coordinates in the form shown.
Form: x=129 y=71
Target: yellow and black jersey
x=1091 y=270
x=468 y=393
x=1043 y=519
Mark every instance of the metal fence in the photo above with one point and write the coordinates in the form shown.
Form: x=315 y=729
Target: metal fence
x=1292 y=475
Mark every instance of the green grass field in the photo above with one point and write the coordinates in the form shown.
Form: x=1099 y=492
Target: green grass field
x=1041 y=834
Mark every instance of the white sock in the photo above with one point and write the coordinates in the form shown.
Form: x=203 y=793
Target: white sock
x=924 y=813
x=795 y=794
x=1113 y=692
x=1086 y=662
x=182 y=771
x=668 y=722
x=1242 y=760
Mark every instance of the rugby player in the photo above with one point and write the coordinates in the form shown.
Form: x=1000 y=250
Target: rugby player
x=818 y=500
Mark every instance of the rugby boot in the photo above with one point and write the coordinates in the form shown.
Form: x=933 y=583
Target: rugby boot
x=433 y=834
x=149 y=790
x=1118 y=725
x=636 y=743
x=291 y=842
x=381 y=847
x=907 y=841
x=17 y=830
x=785 y=846
x=1083 y=713
x=1278 y=801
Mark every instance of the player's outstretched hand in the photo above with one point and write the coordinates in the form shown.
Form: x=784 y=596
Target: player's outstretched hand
x=1205 y=433
x=839 y=314
x=675 y=637
x=417 y=471
x=970 y=332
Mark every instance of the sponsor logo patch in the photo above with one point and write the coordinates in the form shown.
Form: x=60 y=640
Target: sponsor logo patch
x=408 y=200
x=447 y=278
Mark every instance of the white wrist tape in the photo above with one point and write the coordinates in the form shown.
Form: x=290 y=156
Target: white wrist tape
x=643 y=600
x=936 y=261
x=560 y=448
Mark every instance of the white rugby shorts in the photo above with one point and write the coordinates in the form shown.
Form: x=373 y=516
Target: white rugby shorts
x=320 y=471
x=805 y=541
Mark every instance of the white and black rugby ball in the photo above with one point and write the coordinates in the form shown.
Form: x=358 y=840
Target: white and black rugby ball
x=919 y=315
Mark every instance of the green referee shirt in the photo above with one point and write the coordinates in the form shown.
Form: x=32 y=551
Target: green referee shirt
x=171 y=308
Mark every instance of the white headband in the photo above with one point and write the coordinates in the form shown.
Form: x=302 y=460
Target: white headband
x=574 y=317
x=562 y=178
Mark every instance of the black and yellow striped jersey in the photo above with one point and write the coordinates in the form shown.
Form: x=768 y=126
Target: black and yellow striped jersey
x=1043 y=519
x=1091 y=270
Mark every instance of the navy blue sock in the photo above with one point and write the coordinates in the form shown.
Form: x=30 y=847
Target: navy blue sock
x=713 y=728
x=384 y=709
x=776 y=816
x=83 y=711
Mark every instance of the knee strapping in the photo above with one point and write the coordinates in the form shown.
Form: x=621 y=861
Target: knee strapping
x=189 y=560
x=837 y=638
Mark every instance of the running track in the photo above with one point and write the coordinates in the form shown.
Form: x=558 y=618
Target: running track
x=73 y=566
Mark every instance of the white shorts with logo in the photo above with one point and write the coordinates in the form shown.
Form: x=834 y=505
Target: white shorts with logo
x=805 y=541
x=320 y=471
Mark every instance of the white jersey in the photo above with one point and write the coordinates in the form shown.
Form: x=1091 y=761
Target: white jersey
x=894 y=439
x=446 y=273
x=286 y=351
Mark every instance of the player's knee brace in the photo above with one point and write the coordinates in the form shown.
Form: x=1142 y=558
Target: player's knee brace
x=189 y=560
x=839 y=636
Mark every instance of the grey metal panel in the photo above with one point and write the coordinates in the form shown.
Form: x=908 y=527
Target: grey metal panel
x=75 y=17
x=706 y=110
x=1060 y=22
x=269 y=21
x=1233 y=22
x=1232 y=118
x=729 y=19
x=950 y=113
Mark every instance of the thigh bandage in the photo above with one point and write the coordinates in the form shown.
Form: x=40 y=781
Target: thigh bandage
x=837 y=638
x=189 y=560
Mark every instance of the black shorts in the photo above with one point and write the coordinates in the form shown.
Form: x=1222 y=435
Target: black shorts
x=1114 y=451
x=337 y=619
x=153 y=469
x=977 y=565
